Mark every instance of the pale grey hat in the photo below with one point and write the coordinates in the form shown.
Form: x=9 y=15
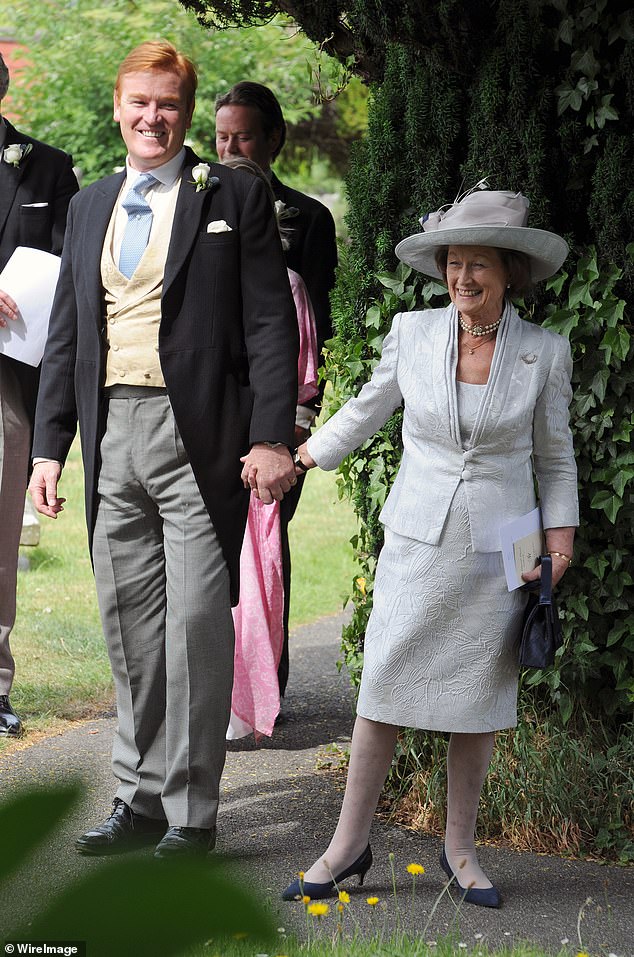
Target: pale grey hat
x=484 y=217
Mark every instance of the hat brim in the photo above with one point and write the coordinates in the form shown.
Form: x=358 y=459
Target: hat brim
x=546 y=251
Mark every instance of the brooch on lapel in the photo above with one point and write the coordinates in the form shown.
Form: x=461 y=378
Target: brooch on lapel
x=529 y=358
x=202 y=179
x=16 y=152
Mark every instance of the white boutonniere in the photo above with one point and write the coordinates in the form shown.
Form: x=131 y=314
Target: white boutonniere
x=16 y=152
x=282 y=211
x=202 y=179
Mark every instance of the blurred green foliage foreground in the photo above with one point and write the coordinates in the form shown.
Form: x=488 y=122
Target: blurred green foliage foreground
x=127 y=906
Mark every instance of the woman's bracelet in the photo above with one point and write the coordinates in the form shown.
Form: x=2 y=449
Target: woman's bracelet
x=562 y=555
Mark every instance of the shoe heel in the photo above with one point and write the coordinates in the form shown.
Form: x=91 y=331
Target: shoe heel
x=365 y=865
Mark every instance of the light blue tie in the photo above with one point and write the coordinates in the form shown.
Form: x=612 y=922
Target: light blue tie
x=137 y=230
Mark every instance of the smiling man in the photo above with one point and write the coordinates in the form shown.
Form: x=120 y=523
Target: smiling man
x=173 y=342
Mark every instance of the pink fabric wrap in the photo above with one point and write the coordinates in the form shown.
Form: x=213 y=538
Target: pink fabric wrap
x=255 y=700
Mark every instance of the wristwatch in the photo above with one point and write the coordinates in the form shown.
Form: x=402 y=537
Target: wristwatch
x=297 y=461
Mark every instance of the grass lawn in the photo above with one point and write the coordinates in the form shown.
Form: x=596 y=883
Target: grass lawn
x=325 y=943
x=62 y=669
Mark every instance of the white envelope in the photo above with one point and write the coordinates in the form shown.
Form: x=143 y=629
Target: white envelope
x=29 y=277
x=219 y=226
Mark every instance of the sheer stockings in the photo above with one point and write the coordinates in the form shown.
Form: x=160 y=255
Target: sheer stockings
x=370 y=758
x=468 y=760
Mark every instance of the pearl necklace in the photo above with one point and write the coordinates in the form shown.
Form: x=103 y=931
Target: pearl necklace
x=478 y=330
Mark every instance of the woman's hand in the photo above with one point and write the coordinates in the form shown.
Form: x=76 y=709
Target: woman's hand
x=305 y=458
x=559 y=545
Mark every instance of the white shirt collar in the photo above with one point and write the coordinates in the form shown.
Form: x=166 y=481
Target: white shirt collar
x=167 y=174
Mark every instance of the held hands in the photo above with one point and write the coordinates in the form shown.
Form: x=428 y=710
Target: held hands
x=43 y=488
x=8 y=308
x=268 y=472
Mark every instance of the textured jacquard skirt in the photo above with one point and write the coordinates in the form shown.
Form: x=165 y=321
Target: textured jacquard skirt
x=442 y=639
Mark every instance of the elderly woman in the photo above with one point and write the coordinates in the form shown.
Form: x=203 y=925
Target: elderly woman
x=486 y=398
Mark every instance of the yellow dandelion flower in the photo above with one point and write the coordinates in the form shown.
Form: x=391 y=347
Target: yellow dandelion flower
x=344 y=897
x=318 y=910
x=340 y=908
x=301 y=875
x=583 y=953
x=305 y=899
x=415 y=869
x=372 y=901
x=361 y=585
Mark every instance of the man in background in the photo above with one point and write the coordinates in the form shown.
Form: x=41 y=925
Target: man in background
x=250 y=123
x=36 y=185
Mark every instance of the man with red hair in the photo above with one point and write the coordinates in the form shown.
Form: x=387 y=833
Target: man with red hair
x=173 y=342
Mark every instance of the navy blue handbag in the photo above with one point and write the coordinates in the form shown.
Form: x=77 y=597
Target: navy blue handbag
x=541 y=628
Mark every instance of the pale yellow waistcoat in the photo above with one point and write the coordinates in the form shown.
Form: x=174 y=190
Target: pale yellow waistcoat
x=133 y=309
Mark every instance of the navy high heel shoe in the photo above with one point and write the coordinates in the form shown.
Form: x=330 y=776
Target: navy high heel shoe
x=482 y=896
x=317 y=892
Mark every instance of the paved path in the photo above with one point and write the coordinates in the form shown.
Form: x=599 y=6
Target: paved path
x=278 y=810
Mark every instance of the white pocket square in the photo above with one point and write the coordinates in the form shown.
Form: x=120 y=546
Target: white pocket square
x=219 y=226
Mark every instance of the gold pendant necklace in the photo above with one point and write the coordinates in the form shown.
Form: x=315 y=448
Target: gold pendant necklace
x=489 y=338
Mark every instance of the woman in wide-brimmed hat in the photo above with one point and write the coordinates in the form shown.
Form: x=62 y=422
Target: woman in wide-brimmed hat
x=486 y=400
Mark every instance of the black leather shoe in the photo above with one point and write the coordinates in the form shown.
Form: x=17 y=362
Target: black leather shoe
x=122 y=831
x=186 y=842
x=9 y=721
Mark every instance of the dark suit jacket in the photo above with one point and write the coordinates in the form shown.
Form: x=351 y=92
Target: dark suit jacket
x=228 y=340
x=44 y=176
x=312 y=252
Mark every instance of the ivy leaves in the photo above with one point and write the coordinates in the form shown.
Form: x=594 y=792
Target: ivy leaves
x=597 y=667
x=588 y=88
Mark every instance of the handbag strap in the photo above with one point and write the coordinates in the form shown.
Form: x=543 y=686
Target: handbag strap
x=546 y=581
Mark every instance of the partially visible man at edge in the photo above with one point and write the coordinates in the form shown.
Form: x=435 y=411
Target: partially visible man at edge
x=36 y=186
x=176 y=368
x=250 y=123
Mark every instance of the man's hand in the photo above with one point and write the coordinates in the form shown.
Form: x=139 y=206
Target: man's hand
x=268 y=472
x=8 y=308
x=43 y=488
